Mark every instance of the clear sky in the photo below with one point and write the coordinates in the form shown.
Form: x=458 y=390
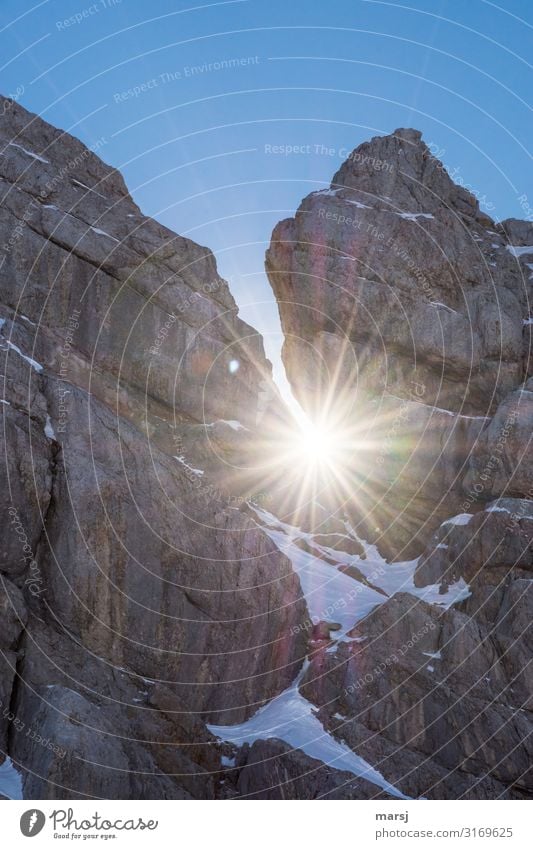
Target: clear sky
x=192 y=96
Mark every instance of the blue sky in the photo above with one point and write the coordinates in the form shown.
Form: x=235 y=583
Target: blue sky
x=193 y=140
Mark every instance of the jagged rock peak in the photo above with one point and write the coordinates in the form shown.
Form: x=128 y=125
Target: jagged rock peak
x=408 y=134
x=400 y=258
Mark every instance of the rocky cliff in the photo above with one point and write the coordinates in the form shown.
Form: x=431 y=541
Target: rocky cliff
x=395 y=269
x=406 y=313
x=140 y=598
x=406 y=310
x=171 y=626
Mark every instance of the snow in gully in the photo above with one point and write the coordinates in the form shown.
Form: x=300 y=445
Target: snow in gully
x=330 y=594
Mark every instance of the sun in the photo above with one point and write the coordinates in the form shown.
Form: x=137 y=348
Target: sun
x=322 y=457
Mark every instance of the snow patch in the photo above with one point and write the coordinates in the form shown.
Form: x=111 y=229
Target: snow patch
x=435 y=409
x=48 y=429
x=519 y=250
x=444 y=306
x=103 y=233
x=413 y=216
x=89 y=189
x=333 y=595
x=460 y=519
x=358 y=204
x=233 y=424
x=10 y=780
x=181 y=460
x=33 y=363
x=439 y=409
x=330 y=594
x=432 y=595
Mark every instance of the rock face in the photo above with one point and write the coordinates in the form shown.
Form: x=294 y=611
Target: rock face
x=270 y=769
x=395 y=290
x=406 y=319
x=395 y=269
x=502 y=462
x=436 y=699
x=498 y=537
x=127 y=571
